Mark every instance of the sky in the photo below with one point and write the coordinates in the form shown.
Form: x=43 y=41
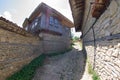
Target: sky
x=17 y=10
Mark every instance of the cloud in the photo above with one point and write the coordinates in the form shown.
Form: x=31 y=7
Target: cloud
x=7 y=15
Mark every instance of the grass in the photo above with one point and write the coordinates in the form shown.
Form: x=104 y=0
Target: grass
x=81 y=45
x=90 y=70
x=79 y=42
x=28 y=71
x=95 y=76
x=72 y=44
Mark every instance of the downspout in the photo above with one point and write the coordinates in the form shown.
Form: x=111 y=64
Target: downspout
x=92 y=27
x=94 y=48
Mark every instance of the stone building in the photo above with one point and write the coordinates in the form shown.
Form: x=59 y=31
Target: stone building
x=99 y=21
x=51 y=26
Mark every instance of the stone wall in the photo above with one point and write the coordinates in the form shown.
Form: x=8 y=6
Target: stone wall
x=17 y=48
x=54 y=43
x=104 y=55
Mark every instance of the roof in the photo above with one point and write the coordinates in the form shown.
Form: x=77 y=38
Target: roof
x=41 y=8
x=77 y=7
x=10 y=26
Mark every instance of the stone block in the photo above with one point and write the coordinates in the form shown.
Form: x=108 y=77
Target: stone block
x=107 y=58
x=109 y=52
x=116 y=53
x=113 y=7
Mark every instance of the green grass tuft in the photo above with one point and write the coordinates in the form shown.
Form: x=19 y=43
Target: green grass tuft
x=90 y=70
x=95 y=76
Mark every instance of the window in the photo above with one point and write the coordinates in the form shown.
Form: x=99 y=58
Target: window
x=32 y=26
x=36 y=23
x=56 y=23
x=51 y=21
x=26 y=28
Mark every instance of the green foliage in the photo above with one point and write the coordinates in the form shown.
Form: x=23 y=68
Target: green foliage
x=28 y=71
x=75 y=38
x=92 y=72
x=72 y=44
x=95 y=76
x=81 y=45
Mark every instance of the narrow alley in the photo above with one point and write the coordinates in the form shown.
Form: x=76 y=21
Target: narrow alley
x=69 y=66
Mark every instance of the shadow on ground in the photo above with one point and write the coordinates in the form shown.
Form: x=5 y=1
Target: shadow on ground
x=68 y=66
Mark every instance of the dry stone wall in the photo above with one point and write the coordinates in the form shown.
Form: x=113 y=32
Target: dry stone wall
x=16 y=48
x=104 y=55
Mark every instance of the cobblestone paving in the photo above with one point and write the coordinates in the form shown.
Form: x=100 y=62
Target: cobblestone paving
x=69 y=66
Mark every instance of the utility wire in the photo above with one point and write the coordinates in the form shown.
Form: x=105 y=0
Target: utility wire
x=91 y=27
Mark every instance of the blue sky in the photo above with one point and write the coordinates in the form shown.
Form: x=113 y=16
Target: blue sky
x=4 y=5
x=17 y=10
x=8 y=5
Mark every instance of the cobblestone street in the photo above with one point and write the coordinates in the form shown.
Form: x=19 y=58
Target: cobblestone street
x=69 y=66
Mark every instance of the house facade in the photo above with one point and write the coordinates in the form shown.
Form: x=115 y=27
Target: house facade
x=45 y=18
x=51 y=26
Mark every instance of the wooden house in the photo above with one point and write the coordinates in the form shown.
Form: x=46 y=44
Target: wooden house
x=51 y=26
x=46 y=19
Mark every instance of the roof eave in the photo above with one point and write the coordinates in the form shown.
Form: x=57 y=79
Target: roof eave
x=77 y=8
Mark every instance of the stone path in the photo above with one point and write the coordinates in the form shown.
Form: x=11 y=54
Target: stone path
x=69 y=66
